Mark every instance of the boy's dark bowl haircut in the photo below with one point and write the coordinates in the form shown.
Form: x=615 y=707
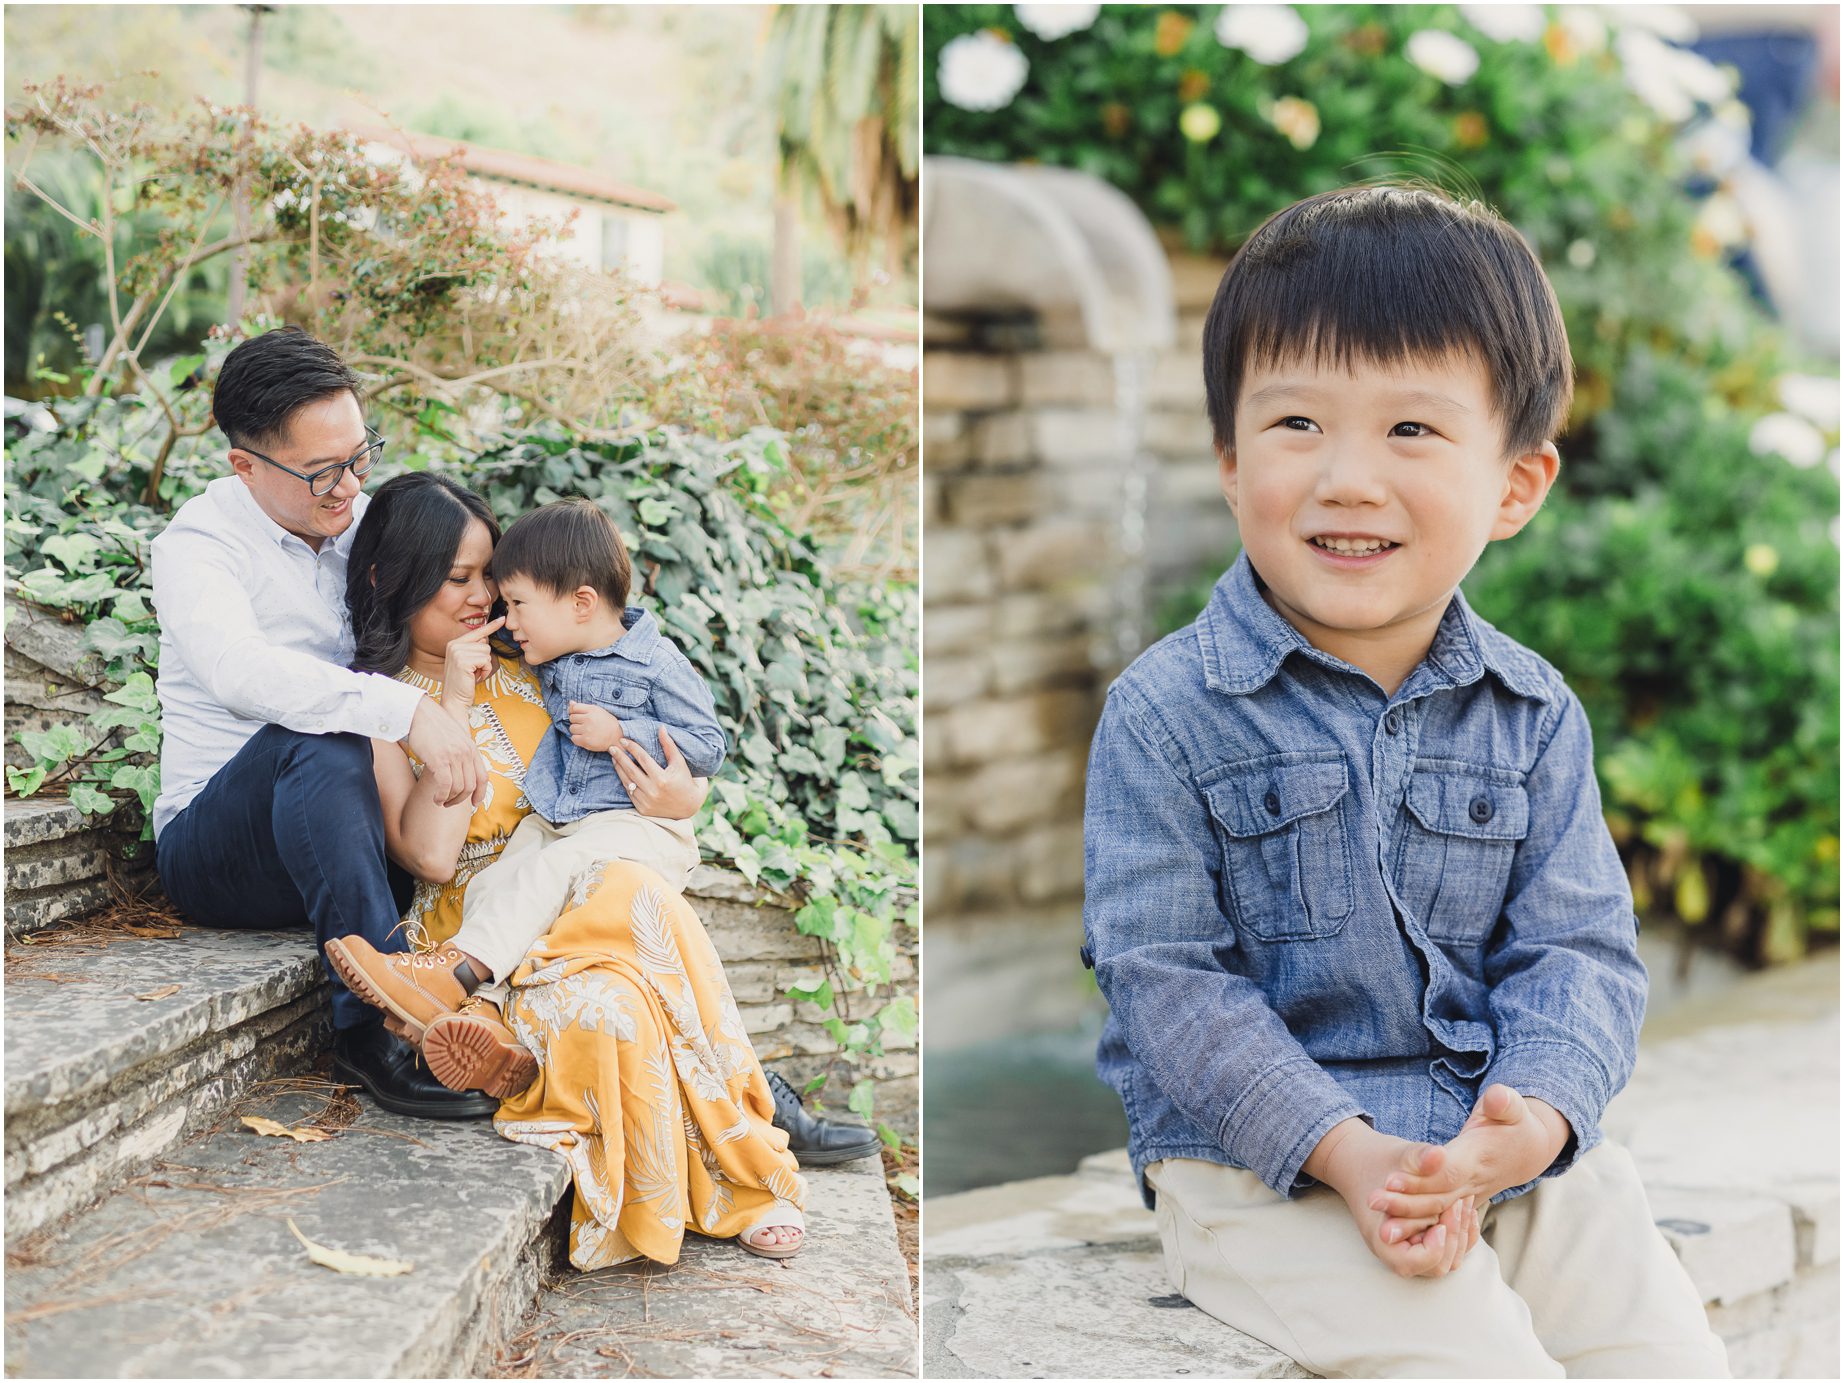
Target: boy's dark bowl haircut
x=1385 y=276
x=565 y=545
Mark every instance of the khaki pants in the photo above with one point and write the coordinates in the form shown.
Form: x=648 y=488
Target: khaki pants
x=1571 y=1279
x=545 y=869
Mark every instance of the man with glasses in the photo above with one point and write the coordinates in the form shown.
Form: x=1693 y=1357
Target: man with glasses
x=268 y=812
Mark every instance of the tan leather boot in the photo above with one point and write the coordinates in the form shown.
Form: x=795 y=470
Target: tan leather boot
x=473 y=1049
x=417 y=988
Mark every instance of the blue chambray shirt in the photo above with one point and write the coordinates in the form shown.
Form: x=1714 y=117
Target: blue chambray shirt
x=644 y=681
x=1307 y=901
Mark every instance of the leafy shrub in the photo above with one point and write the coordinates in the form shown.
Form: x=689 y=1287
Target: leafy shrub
x=850 y=420
x=1683 y=575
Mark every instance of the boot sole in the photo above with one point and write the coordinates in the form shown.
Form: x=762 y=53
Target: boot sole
x=361 y=984
x=467 y=1055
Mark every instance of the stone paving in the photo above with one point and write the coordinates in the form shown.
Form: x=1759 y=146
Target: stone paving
x=1732 y=1117
x=840 y=1309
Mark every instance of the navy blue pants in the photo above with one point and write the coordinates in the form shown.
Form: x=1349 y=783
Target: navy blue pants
x=289 y=833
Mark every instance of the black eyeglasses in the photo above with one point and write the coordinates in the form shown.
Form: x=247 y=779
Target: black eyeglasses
x=323 y=481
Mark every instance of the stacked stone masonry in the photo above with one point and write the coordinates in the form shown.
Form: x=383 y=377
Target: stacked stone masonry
x=128 y=1061
x=1027 y=583
x=1020 y=553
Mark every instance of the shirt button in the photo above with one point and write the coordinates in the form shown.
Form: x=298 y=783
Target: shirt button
x=1392 y=723
x=1273 y=803
x=1481 y=810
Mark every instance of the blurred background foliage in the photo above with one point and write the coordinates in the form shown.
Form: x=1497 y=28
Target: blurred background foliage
x=1684 y=574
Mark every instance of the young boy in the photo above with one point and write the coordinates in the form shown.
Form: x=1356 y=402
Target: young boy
x=1368 y=950
x=607 y=673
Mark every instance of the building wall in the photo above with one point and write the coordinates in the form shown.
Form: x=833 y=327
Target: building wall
x=642 y=238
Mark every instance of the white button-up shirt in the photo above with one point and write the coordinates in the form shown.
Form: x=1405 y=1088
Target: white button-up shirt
x=254 y=632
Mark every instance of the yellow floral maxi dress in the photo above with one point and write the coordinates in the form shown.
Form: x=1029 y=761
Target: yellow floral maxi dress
x=647 y=1085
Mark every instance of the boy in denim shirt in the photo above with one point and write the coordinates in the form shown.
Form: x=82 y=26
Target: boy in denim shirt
x=1368 y=949
x=606 y=673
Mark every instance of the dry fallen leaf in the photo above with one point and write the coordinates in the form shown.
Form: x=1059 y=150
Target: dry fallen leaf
x=355 y=1263
x=270 y=1129
x=164 y=992
x=152 y=931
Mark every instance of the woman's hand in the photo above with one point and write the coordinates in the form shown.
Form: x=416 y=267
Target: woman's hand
x=468 y=663
x=670 y=792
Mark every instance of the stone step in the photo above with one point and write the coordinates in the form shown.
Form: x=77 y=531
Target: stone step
x=1062 y=1277
x=841 y=1309
x=106 y=1070
x=192 y=1272
x=58 y=861
x=1734 y=1128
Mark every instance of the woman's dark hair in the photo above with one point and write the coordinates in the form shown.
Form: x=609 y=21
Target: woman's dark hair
x=407 y=541
x=1386 y=275
x=566 y=544
x=266 y=379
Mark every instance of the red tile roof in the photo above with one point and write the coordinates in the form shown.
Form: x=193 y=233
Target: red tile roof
x=506 y=166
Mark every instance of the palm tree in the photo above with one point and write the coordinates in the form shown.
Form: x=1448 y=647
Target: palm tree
x=842 y=83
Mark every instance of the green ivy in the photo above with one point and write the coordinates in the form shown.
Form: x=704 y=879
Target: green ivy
x=815 y=679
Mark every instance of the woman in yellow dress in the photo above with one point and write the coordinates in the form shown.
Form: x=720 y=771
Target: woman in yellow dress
x=647 y=1084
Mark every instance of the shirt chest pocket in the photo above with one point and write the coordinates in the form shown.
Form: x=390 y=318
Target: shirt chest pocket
x=1286 y=861
x=1463 y=827
x=623 y=696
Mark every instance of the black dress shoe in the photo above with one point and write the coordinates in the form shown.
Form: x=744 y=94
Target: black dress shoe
x=817 y=1142
x=392 y=1074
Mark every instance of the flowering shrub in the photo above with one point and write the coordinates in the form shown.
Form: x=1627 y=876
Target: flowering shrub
x=1684 y=574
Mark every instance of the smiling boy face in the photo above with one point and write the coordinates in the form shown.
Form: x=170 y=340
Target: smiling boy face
x=1363 y=497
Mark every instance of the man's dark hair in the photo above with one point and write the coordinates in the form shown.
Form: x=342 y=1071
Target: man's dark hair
x=267 y=378
x=1386 y=275
x=403 y=552
x=566 y=544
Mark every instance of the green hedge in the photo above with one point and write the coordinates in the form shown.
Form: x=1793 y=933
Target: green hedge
x=1684 y=573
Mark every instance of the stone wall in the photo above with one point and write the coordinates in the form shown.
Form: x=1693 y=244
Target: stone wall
x=1189 y=528
x=1021 y=555
x=1041 y=583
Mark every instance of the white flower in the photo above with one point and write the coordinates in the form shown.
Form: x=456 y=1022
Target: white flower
x=1506 y=23
x=1267 y=33
x=1442 y=55
x=1666 y=21
x=1051 y=22
x=1581 y=253
x=1701 y=79
x=1583 y=26
x=1671 y=80
x=1715 y=148
x=1794 y=438
x=1651 y=73
x=1720 y=218
x=1812 y=397
x=981 y=71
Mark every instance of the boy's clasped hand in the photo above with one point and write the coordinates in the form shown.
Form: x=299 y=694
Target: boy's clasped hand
x=1418 y=1205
